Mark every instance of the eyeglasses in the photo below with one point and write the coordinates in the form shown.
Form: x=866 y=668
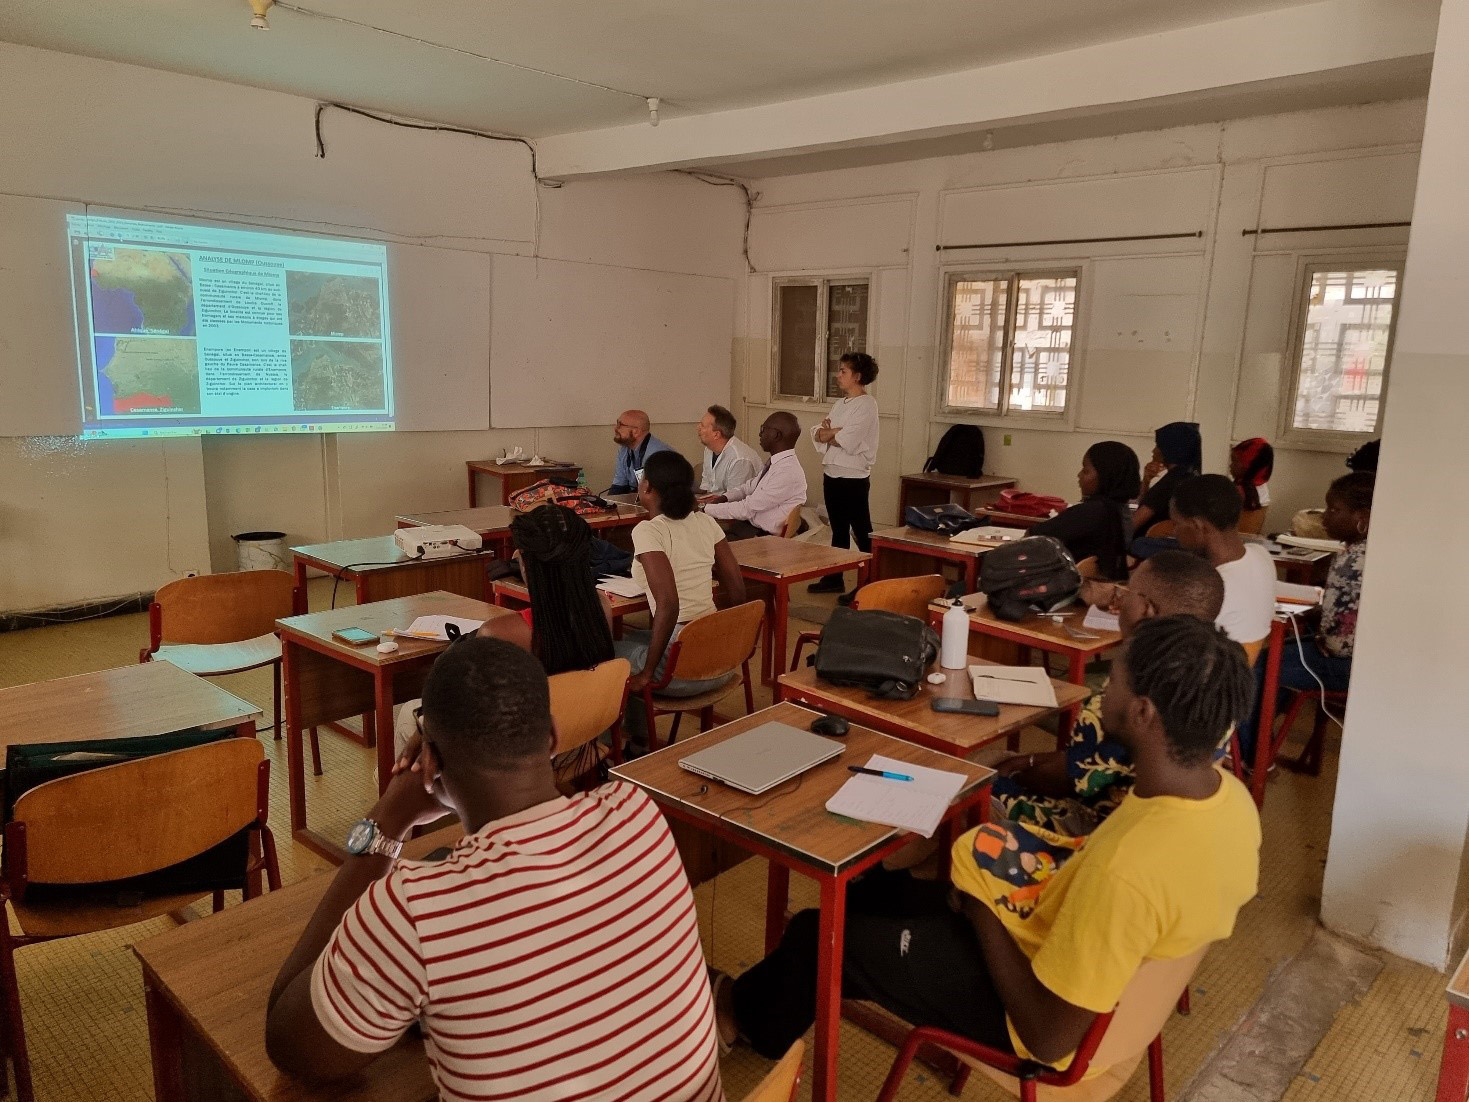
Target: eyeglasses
x=418 y=721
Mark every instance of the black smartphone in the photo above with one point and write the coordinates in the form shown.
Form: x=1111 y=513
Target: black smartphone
x=357 y=637
x=964 y=707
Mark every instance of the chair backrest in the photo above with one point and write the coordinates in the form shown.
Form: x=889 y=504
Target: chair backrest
x=1159 y=529
x=1252 y=521
x=1088 y=567
x=716 y=643
x=223 y=608
x=909 y=596
x=1252 y=650
x=584 y=703
x=1145 y=1005
x=782 y=1081
x=792 y=523
x=140 y=816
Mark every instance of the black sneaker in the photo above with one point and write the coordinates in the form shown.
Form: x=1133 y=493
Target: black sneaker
x=832 y=583
x=847 y=598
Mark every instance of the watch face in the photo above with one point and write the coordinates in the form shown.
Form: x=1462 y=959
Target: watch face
x=360 y=837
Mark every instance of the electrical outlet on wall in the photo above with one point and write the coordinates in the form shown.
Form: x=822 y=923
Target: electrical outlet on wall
x=1007 y=440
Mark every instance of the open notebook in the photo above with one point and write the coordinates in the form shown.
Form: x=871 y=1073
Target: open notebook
x=917 y=805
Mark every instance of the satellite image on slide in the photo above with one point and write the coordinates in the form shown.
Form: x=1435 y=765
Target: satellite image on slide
x=331 y=375
x=141 y=291
x=147 y=375
x=325 y=305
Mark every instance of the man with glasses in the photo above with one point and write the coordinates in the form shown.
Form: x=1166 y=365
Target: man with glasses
x=636 y=442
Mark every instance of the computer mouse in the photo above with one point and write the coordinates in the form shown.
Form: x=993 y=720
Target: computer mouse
x=835 y=726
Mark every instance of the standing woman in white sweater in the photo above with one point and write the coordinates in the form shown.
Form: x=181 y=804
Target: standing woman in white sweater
x=847 y=441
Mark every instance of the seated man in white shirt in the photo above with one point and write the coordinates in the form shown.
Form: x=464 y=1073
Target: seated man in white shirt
x=762 y=505
x=728 y=460
x=1205 y=511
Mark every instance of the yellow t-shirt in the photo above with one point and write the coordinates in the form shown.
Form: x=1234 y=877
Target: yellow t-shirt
x=1160 y=878
x=689 y=544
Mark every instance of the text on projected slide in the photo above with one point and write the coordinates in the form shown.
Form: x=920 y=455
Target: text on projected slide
x=186 y=329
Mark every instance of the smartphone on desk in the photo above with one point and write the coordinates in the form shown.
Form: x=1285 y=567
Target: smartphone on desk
x=356 y=637
x=964 y=707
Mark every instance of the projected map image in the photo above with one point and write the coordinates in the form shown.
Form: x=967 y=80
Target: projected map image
x=141 y=291
x=329 y=305
x=138 y=375
x=331 y=375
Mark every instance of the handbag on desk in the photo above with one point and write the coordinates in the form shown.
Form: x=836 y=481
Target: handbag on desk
x=558 y=491
x=946 y=520
x=885 y=653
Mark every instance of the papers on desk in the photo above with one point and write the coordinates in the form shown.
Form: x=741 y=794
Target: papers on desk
x=917 y=805
x=1313 y=544
x=432 y=627
x=1286 y=593
x=620 y=586
x=1099 y=619
x=1028 y=685
x=988 y=533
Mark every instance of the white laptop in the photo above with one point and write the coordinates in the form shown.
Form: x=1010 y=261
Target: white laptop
x=762 y=757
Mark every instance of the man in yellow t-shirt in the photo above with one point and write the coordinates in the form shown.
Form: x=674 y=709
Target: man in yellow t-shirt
x=1165 y=875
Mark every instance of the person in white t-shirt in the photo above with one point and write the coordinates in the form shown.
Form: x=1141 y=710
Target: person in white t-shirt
x=847 y=443
x=1205 y=511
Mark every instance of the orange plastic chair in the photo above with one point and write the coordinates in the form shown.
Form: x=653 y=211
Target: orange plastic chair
x=792 y=524
x=584 y=703
x=1159 y=529
x=908 y=596
x=783 y=1080
x=151 y=813
x=1088 y=567
x=1252 y=521
x=711 y=646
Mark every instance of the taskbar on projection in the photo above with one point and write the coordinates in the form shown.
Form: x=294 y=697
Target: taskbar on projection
x=133 y=433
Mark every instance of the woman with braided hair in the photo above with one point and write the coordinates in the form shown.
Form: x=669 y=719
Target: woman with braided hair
x=569 y=627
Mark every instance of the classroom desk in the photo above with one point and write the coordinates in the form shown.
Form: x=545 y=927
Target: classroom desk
x=1009 y=520
x=904 y=552
x=512 y=593
x=328 y=680
x=792 y=829
x=514 y=477
x=1453 y=1070
x=781 y=563
x=915 y=720
x=492 y=523
x=1043 y=633
x=205 y=984
x=146 y=698
x=1265 y=727
x=1302 y=565
x=945 y=489
x=378 y=570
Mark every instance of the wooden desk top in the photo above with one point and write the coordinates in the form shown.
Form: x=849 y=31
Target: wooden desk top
x=792 y=817
x=1009 y=520
x=621 y=606
x=773 y=557
x=371 y=553
x=247 y=945
x=933 y=541
x=150 y=698
x=545 y=470
x=963 y=733
x=381 y=616
x=1045 y=631
x=959 y=482
x=494 y=520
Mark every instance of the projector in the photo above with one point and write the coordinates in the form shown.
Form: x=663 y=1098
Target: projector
x=437 y=541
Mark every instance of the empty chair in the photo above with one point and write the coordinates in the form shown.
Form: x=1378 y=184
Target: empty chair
x=907 y=596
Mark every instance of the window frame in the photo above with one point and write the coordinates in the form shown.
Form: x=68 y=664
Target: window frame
x=1063 y=418
x=1307 y=265
x=821 y=281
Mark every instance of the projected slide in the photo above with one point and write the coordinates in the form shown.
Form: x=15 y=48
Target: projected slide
x=186 y=329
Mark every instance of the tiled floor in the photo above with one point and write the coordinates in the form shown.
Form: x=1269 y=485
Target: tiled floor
x=88 y=1035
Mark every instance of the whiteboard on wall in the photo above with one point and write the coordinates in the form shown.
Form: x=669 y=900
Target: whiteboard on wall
x=575 y=344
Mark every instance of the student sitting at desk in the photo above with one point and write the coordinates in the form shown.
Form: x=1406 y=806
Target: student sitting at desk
x=1327 y=655
x=636 y=442
x=1206 y=513
x=554 y=954
x=677 y=552
x=728 y=460
x=1163 y=877
x=1178 y=453
x=1101 y=524
x=1070 y=791
x=1251 y=463
x=761 y=506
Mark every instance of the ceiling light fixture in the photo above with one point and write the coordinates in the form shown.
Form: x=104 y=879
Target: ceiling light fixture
x=258 y=20
x=653 y=102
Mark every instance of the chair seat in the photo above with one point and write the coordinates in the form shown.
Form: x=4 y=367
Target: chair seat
x=87 y=913
x=696 y=703
x=206 y=659
x=1099 y=1088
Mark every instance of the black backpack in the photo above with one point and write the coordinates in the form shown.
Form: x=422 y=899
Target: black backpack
x=1036 y=574
x=885 y=653
x=960 y=452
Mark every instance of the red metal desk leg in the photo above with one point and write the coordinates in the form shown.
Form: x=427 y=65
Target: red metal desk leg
x=166 y=1043
x=776 y=652
x=473 y=498
x=829 y=989
x=777 y=899
x=298 y=591
x=1453 y=1071
x=295 y=763
x=1076 y=674
x=1265 y=729
x=383 y=715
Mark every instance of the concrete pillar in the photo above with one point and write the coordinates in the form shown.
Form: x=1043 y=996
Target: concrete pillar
x=1395 y=869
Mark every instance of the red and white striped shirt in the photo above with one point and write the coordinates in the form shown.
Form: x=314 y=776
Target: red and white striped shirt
x=553 y=956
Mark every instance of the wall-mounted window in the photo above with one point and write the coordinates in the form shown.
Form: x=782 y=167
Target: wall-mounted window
x=1008 y=341
x=1342 y=348
x=817 y=322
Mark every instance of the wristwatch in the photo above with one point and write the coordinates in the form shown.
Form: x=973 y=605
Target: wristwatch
x=366 y=837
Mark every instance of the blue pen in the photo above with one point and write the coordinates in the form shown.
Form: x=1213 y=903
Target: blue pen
x=879 y=773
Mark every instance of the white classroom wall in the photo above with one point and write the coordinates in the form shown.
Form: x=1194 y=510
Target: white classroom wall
x=1191 y=329
x=83 y=521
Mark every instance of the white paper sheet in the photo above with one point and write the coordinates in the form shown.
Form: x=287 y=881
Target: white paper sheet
x=1028 y=685
x=1099 y=619
x=432 y=627
x=988 y=533
x=1297 y=594
x=622 y=587
x=917 y=805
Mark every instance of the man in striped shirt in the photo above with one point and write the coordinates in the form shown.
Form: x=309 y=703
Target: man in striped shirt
x=554 y=955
